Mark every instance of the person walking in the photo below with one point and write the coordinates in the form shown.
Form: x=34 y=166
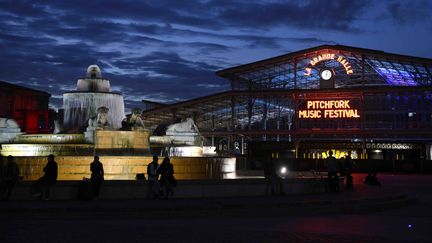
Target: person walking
x=97 y=176
x=349 y=165
x=50 y=176
x=167 y=180
x=10 y=177
x=332 y=170
x=153 y=187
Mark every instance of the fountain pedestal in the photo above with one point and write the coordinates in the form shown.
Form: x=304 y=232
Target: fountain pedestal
x=122 y=142
x=8 y=134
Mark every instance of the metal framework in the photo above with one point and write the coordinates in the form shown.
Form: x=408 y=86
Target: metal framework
x=370 y=68
x=392 y=92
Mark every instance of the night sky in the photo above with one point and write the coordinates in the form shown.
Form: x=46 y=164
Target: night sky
x=168 y=51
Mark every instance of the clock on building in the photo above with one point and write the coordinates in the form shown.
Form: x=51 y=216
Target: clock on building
x=326 y=74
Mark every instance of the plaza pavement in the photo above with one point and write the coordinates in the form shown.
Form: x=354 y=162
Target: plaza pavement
x=398 y=211
x=363 y=199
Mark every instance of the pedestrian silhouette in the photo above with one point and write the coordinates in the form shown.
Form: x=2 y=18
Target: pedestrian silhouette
x=349 y=165
x=43 y=185
x=1 y=175
x=371 y=179
x=167 y=180
x=10 y=177
x=332 y=172
x=97 y=176
x=153 y=187
x=270 y=177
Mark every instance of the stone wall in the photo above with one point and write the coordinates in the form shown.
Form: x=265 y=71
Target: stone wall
x=122 y=142
x=126 y=167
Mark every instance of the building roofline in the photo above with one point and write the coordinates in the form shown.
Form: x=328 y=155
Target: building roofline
x=154 y=102
x=225 y=73
x=3 y=83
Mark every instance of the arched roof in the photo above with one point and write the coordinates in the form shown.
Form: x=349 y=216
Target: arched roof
x=353 y=67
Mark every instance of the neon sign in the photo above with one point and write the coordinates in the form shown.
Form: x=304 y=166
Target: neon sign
x=328 y=109
x=329 y=56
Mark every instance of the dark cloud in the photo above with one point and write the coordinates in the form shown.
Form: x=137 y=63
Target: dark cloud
x=207 y=47
x=165 y=50
x=338 y=14
x=22 y=8
x=409 y=11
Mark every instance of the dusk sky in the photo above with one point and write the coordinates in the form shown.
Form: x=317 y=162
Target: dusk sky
x=169 y=51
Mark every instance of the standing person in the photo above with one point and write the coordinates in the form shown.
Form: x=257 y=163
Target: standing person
x=332 y=170
x=97 y=176
x=349 y=165
x=10 y=177
x=153 y=187
x=167 y=180
x=270 y=177
x=1 y=175
x=50 y=177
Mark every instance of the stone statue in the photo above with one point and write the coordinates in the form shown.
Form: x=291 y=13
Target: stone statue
x=101 y=121
x=182 y=133
x=58 y=128
x=187 y=126
x=134 y=122
x=8 y=123
x=9 y=130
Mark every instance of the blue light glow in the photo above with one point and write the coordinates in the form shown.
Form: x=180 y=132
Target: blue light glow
x=397 y=77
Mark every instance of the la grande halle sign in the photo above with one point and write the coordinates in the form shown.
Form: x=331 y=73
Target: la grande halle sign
x=329 y=56
x=328 y=109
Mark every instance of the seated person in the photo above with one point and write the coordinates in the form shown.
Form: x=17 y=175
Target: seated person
x=371 y=179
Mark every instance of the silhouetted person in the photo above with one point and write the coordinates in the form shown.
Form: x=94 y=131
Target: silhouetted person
x=332 y=170
x=271 y=176
x=167 y=180
x=153 y=187
x=371 y=179
x=10 y=177
x=50 y=176
x=2 y=187
x=349 y=165
x=97 y=176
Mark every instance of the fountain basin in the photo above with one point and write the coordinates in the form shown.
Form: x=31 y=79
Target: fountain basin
x=50 y=139
x=126 y=167
x=46 y=149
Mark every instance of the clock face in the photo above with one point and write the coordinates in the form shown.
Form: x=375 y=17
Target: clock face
x=326 y=74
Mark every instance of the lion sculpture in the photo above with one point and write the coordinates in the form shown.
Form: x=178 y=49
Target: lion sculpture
x=187 y=126
x=8 y=123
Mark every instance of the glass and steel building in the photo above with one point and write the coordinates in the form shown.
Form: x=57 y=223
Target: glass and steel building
x=300 y=105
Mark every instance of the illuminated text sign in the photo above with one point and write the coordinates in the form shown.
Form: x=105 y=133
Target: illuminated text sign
x=328 y=109
x=329 y=56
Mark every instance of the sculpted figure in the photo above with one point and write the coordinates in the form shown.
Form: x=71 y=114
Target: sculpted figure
x=186 y=126
x=58 y=128
x=134 y=122
x=8 y=123
x=101 y=121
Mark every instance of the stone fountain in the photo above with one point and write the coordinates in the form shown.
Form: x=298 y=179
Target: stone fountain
x=95 y=124
x=92 y=92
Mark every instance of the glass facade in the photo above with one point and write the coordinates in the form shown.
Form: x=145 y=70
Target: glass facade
x=371 y=97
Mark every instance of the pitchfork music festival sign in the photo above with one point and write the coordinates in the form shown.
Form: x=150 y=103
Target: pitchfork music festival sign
x=328 y=109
